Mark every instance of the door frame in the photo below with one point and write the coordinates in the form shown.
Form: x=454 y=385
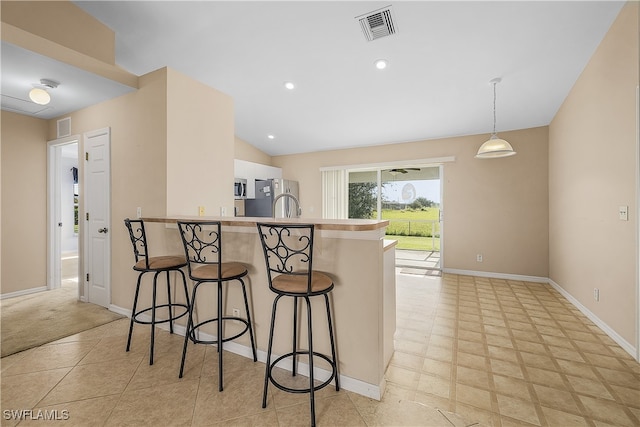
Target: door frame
x=54 y=238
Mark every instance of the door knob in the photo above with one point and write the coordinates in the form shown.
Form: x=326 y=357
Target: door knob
x=103 y=230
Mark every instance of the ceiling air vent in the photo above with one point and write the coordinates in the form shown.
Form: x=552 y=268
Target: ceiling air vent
x=377 y=24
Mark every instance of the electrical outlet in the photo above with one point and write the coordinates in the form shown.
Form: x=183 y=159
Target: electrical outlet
x=479 y=258
x=223 y=211
x=201 y=210
x=236 y=313
x=596 y=294
x=138 y=212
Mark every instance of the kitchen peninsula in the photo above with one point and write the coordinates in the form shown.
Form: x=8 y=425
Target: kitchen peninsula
x=362 y=265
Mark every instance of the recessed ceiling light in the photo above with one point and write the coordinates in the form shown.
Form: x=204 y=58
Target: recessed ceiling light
x=271 y=137
x=289 y=85
x=381 y=64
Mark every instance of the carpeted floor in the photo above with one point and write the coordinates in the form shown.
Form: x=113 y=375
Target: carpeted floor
x=35 y=319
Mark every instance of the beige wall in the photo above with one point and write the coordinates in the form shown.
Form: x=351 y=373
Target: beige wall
x=497 y=207
x=200 y=147
x=592 y=171
x=245 y=151
x=24 y=202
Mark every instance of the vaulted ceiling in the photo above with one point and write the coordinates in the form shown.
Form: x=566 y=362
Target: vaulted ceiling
x=440 y=61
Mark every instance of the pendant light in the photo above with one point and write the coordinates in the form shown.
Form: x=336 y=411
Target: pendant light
x=39 y=94
x=495 y=147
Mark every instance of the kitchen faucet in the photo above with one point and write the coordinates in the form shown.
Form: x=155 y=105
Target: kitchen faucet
x=288 y=212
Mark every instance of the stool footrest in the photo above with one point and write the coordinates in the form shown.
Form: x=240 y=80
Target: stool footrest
x=302 y=390
x=192 y=336
x=171 y=318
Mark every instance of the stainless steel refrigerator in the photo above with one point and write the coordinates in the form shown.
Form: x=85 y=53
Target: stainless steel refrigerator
x=269 y=190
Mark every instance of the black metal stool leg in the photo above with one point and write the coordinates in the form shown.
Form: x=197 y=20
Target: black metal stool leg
x=294 y=349
x=311 y=384
x=246 y=307
x=267 y=373
x=133 y=311
x=171 y=308
x=187 y=334
x=333 y=344
x=153 y=317
x=220 y=349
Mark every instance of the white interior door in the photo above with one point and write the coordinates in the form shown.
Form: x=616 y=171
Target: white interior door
x=97 y=216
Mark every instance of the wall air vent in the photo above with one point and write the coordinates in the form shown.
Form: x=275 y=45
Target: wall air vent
x=64 y=127
x=377 y=24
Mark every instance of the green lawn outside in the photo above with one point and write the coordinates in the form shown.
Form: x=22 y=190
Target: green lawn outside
x=414 y=229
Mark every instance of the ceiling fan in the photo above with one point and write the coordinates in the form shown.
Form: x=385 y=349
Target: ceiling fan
x=402 y=170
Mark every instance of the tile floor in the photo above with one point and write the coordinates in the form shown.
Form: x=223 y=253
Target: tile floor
x=469 y=351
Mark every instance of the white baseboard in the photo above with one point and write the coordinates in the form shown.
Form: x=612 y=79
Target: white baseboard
x=347 y=383
x=628 y=347
x=23 y=292
x=506 y=276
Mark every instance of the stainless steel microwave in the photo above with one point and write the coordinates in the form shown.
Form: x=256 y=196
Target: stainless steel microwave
x=240 y=188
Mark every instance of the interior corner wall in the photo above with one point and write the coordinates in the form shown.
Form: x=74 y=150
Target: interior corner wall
x=245 y=151
x=496 y=207
x=592 y=172
x=24 y=202
x=200 y=148
x=138 y=166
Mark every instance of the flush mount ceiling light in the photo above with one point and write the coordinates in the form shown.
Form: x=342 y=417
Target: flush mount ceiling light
x=39 y=93
x=495 y=147
x=381 y=64
x=289 y=85
x=271 y=137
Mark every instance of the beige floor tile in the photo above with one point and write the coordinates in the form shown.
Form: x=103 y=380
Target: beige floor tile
x=566 y=354
x=510 y=386
x=607 y=411
x=267 y=418
x=24 y=391
x=473 y=397
x=555 y=417
x=51 y=357
x=577 y=369
x=605 y=361
x=476 y=416
x=622 y=378
x=403 y=377
x=557 y=399
x=508 y=369
x=407 y=361
x=167 y=405
x=523 y=344
x=81 y=413
x=589 y=387
x=499 y=341
x=558 y=341
x=545 y=377
x=473 y=347
x=437 y=386
x=471 y=360
x=473 y=377
x=94 y=380
x=437 y=368
x=242 y=396
x=628 y=396
x=518 y=409
x=331 y=411
x=112 y=348
x=418 y=349
x=536 y=360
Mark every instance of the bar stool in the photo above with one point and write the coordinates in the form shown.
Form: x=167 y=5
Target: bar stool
x=288 y=253
x=158 y=264
x=203 y=250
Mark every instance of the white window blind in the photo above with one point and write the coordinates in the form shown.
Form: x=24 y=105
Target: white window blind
x=335 y=194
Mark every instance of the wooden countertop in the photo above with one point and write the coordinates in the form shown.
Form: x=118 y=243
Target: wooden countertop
x=243 y=221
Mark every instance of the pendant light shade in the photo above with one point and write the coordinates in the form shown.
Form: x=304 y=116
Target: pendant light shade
x=495 y=147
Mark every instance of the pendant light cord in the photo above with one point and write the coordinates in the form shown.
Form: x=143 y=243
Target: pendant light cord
x=494 y=107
